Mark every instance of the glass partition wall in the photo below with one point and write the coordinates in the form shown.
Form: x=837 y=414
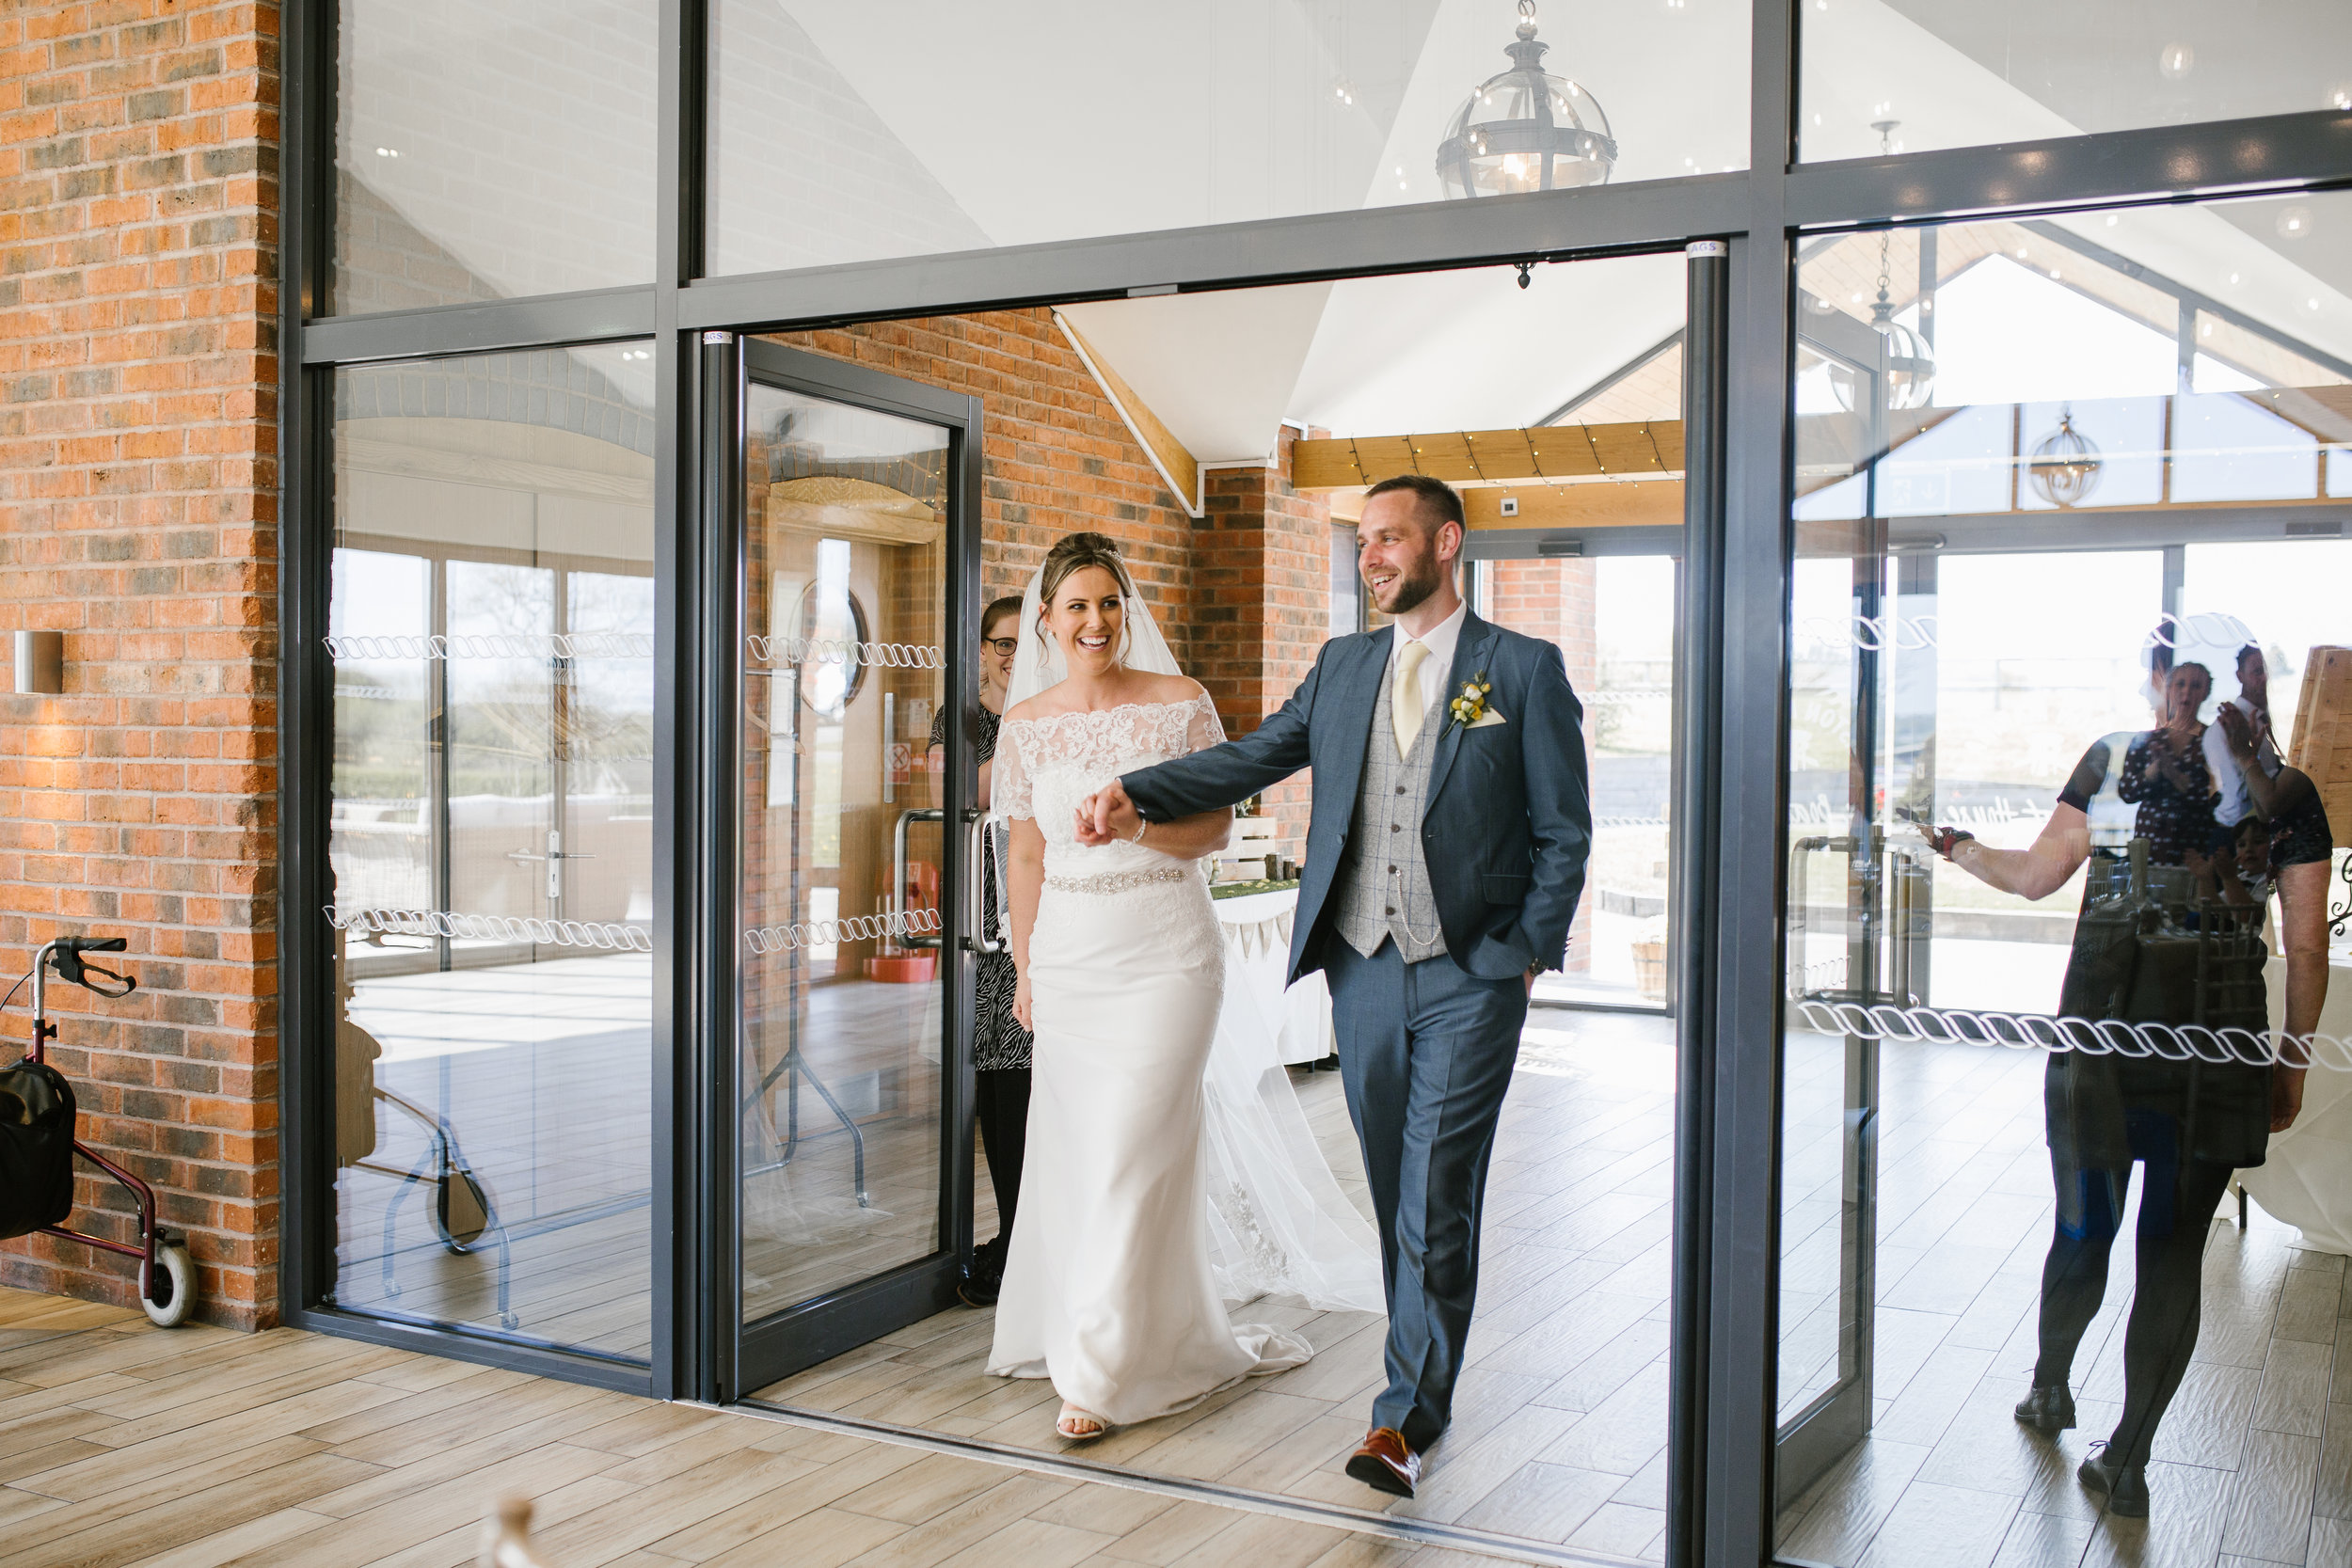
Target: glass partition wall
x=490 y=618
x=2057 y=866
x=1955 y=491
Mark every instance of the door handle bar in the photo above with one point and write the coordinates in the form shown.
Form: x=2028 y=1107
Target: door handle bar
x=977 y=938
x=898 y=902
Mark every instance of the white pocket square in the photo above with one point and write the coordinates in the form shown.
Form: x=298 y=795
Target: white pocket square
x=1489 y=717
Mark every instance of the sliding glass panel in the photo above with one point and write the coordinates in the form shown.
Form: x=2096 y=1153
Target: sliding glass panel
x=1908 y=75
x=845 y=133
x=492 y=621
x=2062 y=776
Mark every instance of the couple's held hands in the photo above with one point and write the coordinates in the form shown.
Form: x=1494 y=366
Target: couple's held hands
x=1107 y=816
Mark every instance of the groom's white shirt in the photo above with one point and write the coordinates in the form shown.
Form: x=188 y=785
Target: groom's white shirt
x=1439 y=664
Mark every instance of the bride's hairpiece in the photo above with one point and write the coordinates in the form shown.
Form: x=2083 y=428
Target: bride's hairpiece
x=1075 y=552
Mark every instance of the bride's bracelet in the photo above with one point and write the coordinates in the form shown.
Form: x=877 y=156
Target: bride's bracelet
x=1141 y=828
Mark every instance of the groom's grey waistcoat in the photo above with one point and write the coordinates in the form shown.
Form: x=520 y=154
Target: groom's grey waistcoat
x=1505 y=828
x=1383 y=883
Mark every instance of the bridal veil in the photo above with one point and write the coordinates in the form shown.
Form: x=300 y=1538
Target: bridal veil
x=1278 y=1223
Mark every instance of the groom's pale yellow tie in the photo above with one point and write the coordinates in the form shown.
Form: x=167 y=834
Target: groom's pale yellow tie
x=1405 y=703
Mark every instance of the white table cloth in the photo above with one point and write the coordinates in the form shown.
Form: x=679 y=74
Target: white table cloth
x=2306 y=1180
x=1257 y=957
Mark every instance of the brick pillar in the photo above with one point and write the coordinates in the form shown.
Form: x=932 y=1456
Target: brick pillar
x=137 y=514
x=1261 y=583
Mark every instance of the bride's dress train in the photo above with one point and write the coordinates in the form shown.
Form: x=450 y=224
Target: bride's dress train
x=1109 y=1288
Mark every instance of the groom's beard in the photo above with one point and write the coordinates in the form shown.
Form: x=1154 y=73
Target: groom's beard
x=1412 y=587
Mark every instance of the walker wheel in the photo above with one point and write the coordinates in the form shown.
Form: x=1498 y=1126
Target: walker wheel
x=169 y=1292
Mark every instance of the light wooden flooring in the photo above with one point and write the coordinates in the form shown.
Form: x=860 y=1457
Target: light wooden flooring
x=1560 y=1420
x=2253 y=1463
x=125 y=1445
x=539 y=1071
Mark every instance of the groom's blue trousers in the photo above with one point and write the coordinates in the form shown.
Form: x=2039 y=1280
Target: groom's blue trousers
x=1425 y=1054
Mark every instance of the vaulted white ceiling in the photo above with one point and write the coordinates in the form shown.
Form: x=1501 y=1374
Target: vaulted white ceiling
x=849 y=130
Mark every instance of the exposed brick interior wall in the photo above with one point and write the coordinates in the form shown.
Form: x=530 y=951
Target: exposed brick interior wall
x=1262 y=584
x=1055 y=456
x=138 y=515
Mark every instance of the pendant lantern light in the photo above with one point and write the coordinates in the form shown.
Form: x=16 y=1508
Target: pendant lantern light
x=2065 y=464
x=1526 y=130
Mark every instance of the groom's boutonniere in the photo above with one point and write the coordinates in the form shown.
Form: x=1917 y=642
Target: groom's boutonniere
x=1470 y=707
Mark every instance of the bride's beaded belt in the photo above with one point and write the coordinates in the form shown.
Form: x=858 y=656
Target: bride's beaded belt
x=1118 y=882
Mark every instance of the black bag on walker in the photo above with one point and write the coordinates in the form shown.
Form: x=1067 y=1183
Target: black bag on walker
x=35 y=1147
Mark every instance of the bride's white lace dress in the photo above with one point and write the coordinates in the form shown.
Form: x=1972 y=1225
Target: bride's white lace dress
x=1108 y=1288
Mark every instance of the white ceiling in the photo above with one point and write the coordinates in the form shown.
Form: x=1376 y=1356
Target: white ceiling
x=1217 y=369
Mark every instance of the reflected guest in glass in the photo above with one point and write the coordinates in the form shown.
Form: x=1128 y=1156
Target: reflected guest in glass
x=2152 y=946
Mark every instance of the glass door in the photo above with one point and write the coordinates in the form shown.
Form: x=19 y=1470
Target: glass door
x=853 y=1149
x=1615 y=616
x=2044 y=611
x=492 y=597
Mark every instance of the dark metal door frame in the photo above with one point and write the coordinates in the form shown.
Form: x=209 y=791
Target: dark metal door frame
x=740 y=1356
x=1732 y=856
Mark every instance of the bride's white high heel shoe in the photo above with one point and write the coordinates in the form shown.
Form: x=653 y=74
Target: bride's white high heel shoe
x=1074 y=1424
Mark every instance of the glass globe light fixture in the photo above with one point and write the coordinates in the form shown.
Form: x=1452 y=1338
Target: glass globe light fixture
x=1526 y=130
x=2065 y=464
x=1907 y=366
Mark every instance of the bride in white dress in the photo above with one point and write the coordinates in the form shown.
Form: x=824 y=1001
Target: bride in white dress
x=1109 y=1288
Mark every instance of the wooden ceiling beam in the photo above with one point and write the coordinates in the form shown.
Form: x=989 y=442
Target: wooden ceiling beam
x=1634 y=503
x=1177 y=467
x=1651 y=447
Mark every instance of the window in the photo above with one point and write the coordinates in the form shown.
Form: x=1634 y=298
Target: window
x=1909 y=75
x=492 y=152
x=852 y=133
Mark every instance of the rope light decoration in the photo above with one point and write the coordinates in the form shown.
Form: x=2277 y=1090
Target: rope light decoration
x=766 y=940
x=493 y=927
x=831 y=650
x=548 y=645
x=2111 y=1037
x=1878 y=633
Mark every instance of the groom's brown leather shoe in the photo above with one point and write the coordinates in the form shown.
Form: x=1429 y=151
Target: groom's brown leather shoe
x=1385 y=1464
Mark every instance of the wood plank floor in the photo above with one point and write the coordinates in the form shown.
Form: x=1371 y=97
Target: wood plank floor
x=1560 y=1420
x=123 y=1446
x=2253 y=1463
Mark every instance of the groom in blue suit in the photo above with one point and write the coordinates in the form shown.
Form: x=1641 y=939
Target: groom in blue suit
x=1444 y=860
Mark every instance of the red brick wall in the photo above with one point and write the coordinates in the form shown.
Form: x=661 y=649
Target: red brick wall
x=137 y=514
x=1056 y=457
x=1262 y=573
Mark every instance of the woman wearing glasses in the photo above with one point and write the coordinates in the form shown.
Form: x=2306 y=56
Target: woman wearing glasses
x=1000 y=1046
